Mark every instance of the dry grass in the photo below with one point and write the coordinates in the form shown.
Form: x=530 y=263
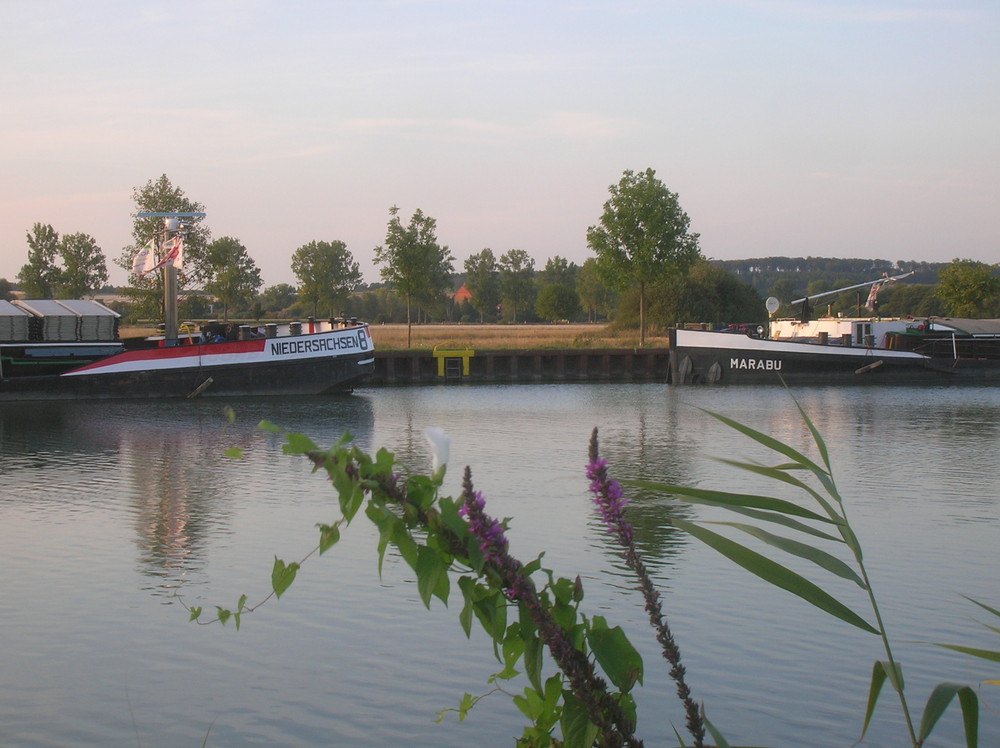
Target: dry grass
x=488 y=337
x=506 y=337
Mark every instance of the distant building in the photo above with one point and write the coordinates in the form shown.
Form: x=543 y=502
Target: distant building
x=462 y=294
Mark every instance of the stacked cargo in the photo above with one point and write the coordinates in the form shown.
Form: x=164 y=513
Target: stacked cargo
x=14 y=325
x=64 y=321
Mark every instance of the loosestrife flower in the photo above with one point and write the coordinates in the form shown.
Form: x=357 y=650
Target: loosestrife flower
x=492 y=541
x=610 y=503
x=518 y=587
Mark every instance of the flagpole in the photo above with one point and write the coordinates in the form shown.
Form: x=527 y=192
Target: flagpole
x=169 y=304
x=171 y=227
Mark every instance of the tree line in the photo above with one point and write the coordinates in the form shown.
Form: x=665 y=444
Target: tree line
x=647 y=271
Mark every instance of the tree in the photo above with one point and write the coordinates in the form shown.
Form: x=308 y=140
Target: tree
x=278 y=298
x=595 y=297
x=39 y=277
x=160 y=196
x=65 y=268
x=558 y=270
x=84 y=268
x=412 y=261
x=482 y=279
x=969 y=288
x=5 y=292
x=517 y=273
x=235 y=276
x=327 y=274
x=643 y=237
x=557 y=301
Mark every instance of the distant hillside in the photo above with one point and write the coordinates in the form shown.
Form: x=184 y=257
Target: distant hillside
x=763 y=273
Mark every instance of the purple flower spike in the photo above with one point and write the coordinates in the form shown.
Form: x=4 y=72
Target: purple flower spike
x=492 y=541
x=608 y=497
x=610 y=504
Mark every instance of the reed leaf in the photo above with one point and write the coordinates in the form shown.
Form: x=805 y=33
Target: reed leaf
x=781 y=519
x=817 y=437
x=983 y=654
x=725 y=499
x=939 y=700
x=880 y=671
x=810 y=553
x=776 y=574
x=780 y=473
x=985 y=607
x=770 y=442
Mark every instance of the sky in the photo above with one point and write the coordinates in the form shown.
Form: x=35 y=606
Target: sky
x=821 y=128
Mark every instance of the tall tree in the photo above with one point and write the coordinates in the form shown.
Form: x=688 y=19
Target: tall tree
x=160 y=196
x=64 y=268
x=643 y=237
x=5 y=294
x=970 y=288
x=39 y=276
x=84 y=268
x=482 y=279
x=412 y=261
x=558 y=270
x=517 y=275
x=235 y=276
x=327 y=274
x=557 y=302
x=595 y=296
x=278 y=297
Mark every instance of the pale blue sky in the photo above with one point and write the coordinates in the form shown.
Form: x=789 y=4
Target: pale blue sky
x=845 y=129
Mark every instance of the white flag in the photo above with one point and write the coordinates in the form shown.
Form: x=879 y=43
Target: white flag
x=144 y=259
x=173 y=254
x=178 y=253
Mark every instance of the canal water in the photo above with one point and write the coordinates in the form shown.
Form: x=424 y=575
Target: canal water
x=113 y=516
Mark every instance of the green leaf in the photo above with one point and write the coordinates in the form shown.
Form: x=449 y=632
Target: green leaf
x=329 y=535
x=994 y=611
x=780 y=473
x=720 y=741
x=577 y=729
x=282 y=576
x=880 y=671
x=491 y=610
x=270 y=427
x=615 y=654
x=727 y=500
x=775 y=574
x=513 y=648
x=984 y=654
x=939 y=700
x=222 y=614
x=235 y=452
x=819 y=557
x=194 y=614
x=298 y=444
x=781 y=519
x=770 y=442
x=429 y=571
x=465 y=616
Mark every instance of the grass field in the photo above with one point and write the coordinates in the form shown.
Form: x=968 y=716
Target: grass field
x=505 y=337
x=496 y=337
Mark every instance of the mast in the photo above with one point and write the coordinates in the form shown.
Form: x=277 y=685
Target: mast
x=172 y=226
x=883 y=279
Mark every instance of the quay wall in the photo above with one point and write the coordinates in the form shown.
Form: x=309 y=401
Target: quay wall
x=519 y=366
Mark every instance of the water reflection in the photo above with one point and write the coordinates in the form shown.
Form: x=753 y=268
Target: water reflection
x=163 y=463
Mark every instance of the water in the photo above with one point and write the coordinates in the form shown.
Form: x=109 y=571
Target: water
x=111 y=515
